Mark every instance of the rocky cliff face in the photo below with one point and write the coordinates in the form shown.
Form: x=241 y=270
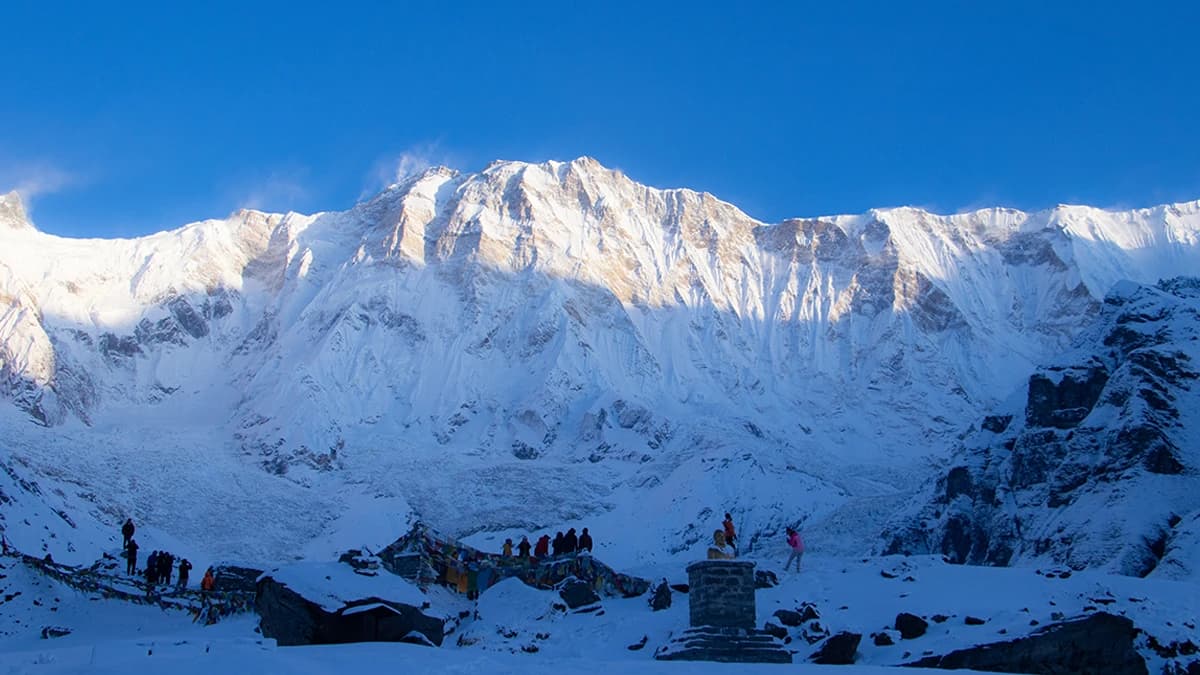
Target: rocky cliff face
x=1096 y=466
x=553 y=339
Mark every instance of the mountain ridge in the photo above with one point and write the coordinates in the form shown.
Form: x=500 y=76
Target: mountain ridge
x=535 y=324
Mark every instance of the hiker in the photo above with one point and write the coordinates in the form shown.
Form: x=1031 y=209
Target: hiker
x=543 y=546
x=131 y=548
x=557 y=544
x=184 y=568
x=719 y=550
x=570 y=542
x=730 y=533
x=797 y=545
x=166 y=563
x=585 y=541
x=506 y=551
x=523 y=548
x=127 y=531
x=152 y=568
x=207 y=583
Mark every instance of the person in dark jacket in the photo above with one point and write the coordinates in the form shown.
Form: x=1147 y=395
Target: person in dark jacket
x=152 y=568
x=585 y=541
x=131 y=548
x=166 y=563
x=127 y=531
x=557 y=544
x=523 y=548
x=542 y=549
x=184 y=568
x=570 y=541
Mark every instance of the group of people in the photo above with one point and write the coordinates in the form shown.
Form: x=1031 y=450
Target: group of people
x=160 y=564
x=724 y=546
x=562 y=544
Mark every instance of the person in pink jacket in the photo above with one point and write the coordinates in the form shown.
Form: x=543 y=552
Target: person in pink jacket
x=797 y=546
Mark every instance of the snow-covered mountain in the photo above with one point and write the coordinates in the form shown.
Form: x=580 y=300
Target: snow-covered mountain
x=531 y=346
x=1094 y=465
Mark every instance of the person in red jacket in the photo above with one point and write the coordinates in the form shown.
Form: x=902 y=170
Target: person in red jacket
x=542 y=548
x=730 y=533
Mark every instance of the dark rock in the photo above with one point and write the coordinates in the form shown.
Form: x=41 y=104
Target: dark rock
x=940 y=618
x=765 y=579
x=974 y=621
x=958 y=482
x=291 y=619
x=1064 y=403
x=577 y=593
x=788 y=618
x=838 y=650
x=1101 y=643
x=774 y=630
x=808 y=612
x=639 y=644
x=680 y=588
x=661 y=599
x=910 y=625
x=883 y=639
x=49 y=632
x=997 y=423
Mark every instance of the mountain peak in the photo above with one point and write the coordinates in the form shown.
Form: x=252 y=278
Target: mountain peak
x=12 y=212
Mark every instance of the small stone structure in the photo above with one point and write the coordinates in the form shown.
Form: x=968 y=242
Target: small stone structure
x=723 y=615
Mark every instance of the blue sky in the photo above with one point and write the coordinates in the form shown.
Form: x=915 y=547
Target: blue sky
x=120 y=119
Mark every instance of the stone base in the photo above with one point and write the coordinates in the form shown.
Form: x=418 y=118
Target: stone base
x=729 y=645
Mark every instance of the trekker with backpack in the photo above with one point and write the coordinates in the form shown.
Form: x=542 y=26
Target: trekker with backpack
x=797 y=545
x=542 y=549
x=131 y=548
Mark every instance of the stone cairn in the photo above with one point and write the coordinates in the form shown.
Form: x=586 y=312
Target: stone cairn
x=723 y=617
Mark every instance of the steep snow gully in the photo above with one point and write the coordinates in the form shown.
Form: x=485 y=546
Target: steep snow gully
x=552 y=345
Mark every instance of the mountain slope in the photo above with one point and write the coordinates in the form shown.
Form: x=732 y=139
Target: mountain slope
x=1095 y=466
x=535 y=344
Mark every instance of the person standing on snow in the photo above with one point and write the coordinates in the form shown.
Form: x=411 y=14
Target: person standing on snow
x=209 y=581
x=184 y=568
x=127 y=531
x=131 y=548
x=506 y=551
x=797 y=545
x=542 y=549
x=557 y=544
x=730 y=533
x=523 y=549
x=585 y=541
x=570 y=541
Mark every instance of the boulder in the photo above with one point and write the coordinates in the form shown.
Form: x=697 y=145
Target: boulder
x=883 y=639
x=910 y=625
x=765 y=579
x=775 y=630
x=661 y=599
x=838 y=650
x=788 y=618
x=577 y=594
x=1100 y=643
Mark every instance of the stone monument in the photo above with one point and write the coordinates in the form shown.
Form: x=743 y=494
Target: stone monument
x=723 y=615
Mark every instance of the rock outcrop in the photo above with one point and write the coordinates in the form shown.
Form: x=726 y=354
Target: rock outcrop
x=1106 y=430
x=1101 y=643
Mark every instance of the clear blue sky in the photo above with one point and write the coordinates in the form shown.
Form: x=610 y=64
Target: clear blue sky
x=121 y=119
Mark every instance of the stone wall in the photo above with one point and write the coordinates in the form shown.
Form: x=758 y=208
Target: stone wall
x=722 y=593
